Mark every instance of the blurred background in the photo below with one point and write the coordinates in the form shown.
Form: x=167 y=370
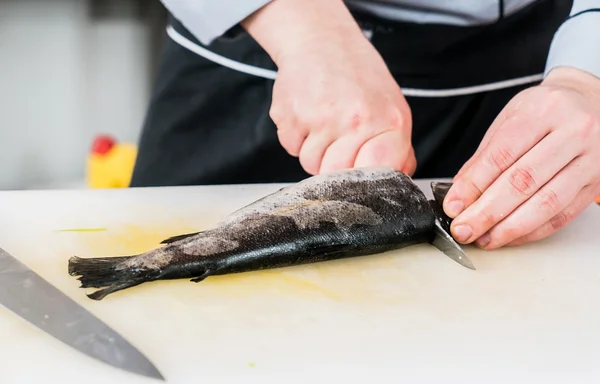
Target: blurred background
x=71 y=70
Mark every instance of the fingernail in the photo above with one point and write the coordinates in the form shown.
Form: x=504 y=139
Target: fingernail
x=484 y=240
x=462 y=232
x=455 y=207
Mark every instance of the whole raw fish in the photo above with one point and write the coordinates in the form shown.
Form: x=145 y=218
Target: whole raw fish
x=348 y=213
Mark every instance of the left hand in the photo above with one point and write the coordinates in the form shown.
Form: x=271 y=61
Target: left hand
x=536 y=169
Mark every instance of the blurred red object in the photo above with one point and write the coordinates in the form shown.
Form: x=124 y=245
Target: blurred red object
x=102 y=144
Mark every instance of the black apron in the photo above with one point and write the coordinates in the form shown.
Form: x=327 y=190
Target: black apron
x=209 y=124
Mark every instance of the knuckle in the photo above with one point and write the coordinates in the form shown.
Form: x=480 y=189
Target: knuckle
x=500 y=159
x=316 y=122
x=487 y=218
x=560 y=220
x=276 y=113
x=515 y=106
x=398 y=119
x=549 y=200
x=555 y=97
x=355 y=121
x=589 y=128
x=512 y=232
x=522 y=181
x=357 y=118
x=504 y=233
x=291 y=143
x=473 y=189
x=313 y=122
x=308 y=163
x=469 y=189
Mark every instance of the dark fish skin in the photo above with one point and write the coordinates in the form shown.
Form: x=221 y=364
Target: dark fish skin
x=342 y=214
x=440 y=190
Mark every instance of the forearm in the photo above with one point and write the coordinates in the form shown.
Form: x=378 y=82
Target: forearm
x=288 y=27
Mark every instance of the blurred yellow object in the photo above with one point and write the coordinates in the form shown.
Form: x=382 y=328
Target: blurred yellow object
x=110 y=164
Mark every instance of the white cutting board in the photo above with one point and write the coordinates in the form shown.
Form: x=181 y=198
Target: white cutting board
x=528 y=314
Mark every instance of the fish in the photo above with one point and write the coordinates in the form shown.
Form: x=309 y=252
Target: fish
x=340 y=214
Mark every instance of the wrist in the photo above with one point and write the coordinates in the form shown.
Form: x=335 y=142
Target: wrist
x=286 y=28
x=571 y=77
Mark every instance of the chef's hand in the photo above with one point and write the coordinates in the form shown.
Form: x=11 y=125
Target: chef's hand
x=537 y=167
x=335 y=102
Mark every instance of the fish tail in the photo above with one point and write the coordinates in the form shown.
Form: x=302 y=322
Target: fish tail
x=103 y=272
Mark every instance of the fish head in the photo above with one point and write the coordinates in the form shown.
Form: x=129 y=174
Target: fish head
x=440 y=190
x=443 y=238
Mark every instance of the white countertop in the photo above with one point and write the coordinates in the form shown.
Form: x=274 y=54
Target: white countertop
x=528 y=314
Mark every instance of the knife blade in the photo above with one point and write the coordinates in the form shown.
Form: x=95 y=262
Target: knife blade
x=445 y=243
x=443 y=240
x=29 y=296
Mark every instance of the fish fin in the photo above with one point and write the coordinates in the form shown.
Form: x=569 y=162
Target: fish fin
x=102 y=272
x=173 y=239
x=102 y=293
x=445 y=243
x=203 y=276
x=322 y=250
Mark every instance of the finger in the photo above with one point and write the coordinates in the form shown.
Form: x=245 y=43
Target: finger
x=515 y=186
x=291 y=139
x=312 y=151
x=546 y=203
x=465 y=166
x=509 y=111
x=561 y=219
x=410 y=165
x=290 y=133
x=476 y=156
x=389 y=148
x=513 y=139
x=341 y=154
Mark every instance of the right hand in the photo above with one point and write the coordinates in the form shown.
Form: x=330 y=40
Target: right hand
x=335 y=103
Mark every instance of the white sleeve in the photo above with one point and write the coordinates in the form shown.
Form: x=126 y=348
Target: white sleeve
x=209 y=19
x=577 y=42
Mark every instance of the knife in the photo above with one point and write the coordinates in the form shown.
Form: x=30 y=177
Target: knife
x=28 y=295
x=443 y=240
x=445 y=243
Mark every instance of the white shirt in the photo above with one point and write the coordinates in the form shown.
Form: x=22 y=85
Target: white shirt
x=575 y=44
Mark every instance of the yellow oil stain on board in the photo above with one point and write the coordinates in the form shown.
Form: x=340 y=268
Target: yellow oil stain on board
x=346 y=280
x=81 y=230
